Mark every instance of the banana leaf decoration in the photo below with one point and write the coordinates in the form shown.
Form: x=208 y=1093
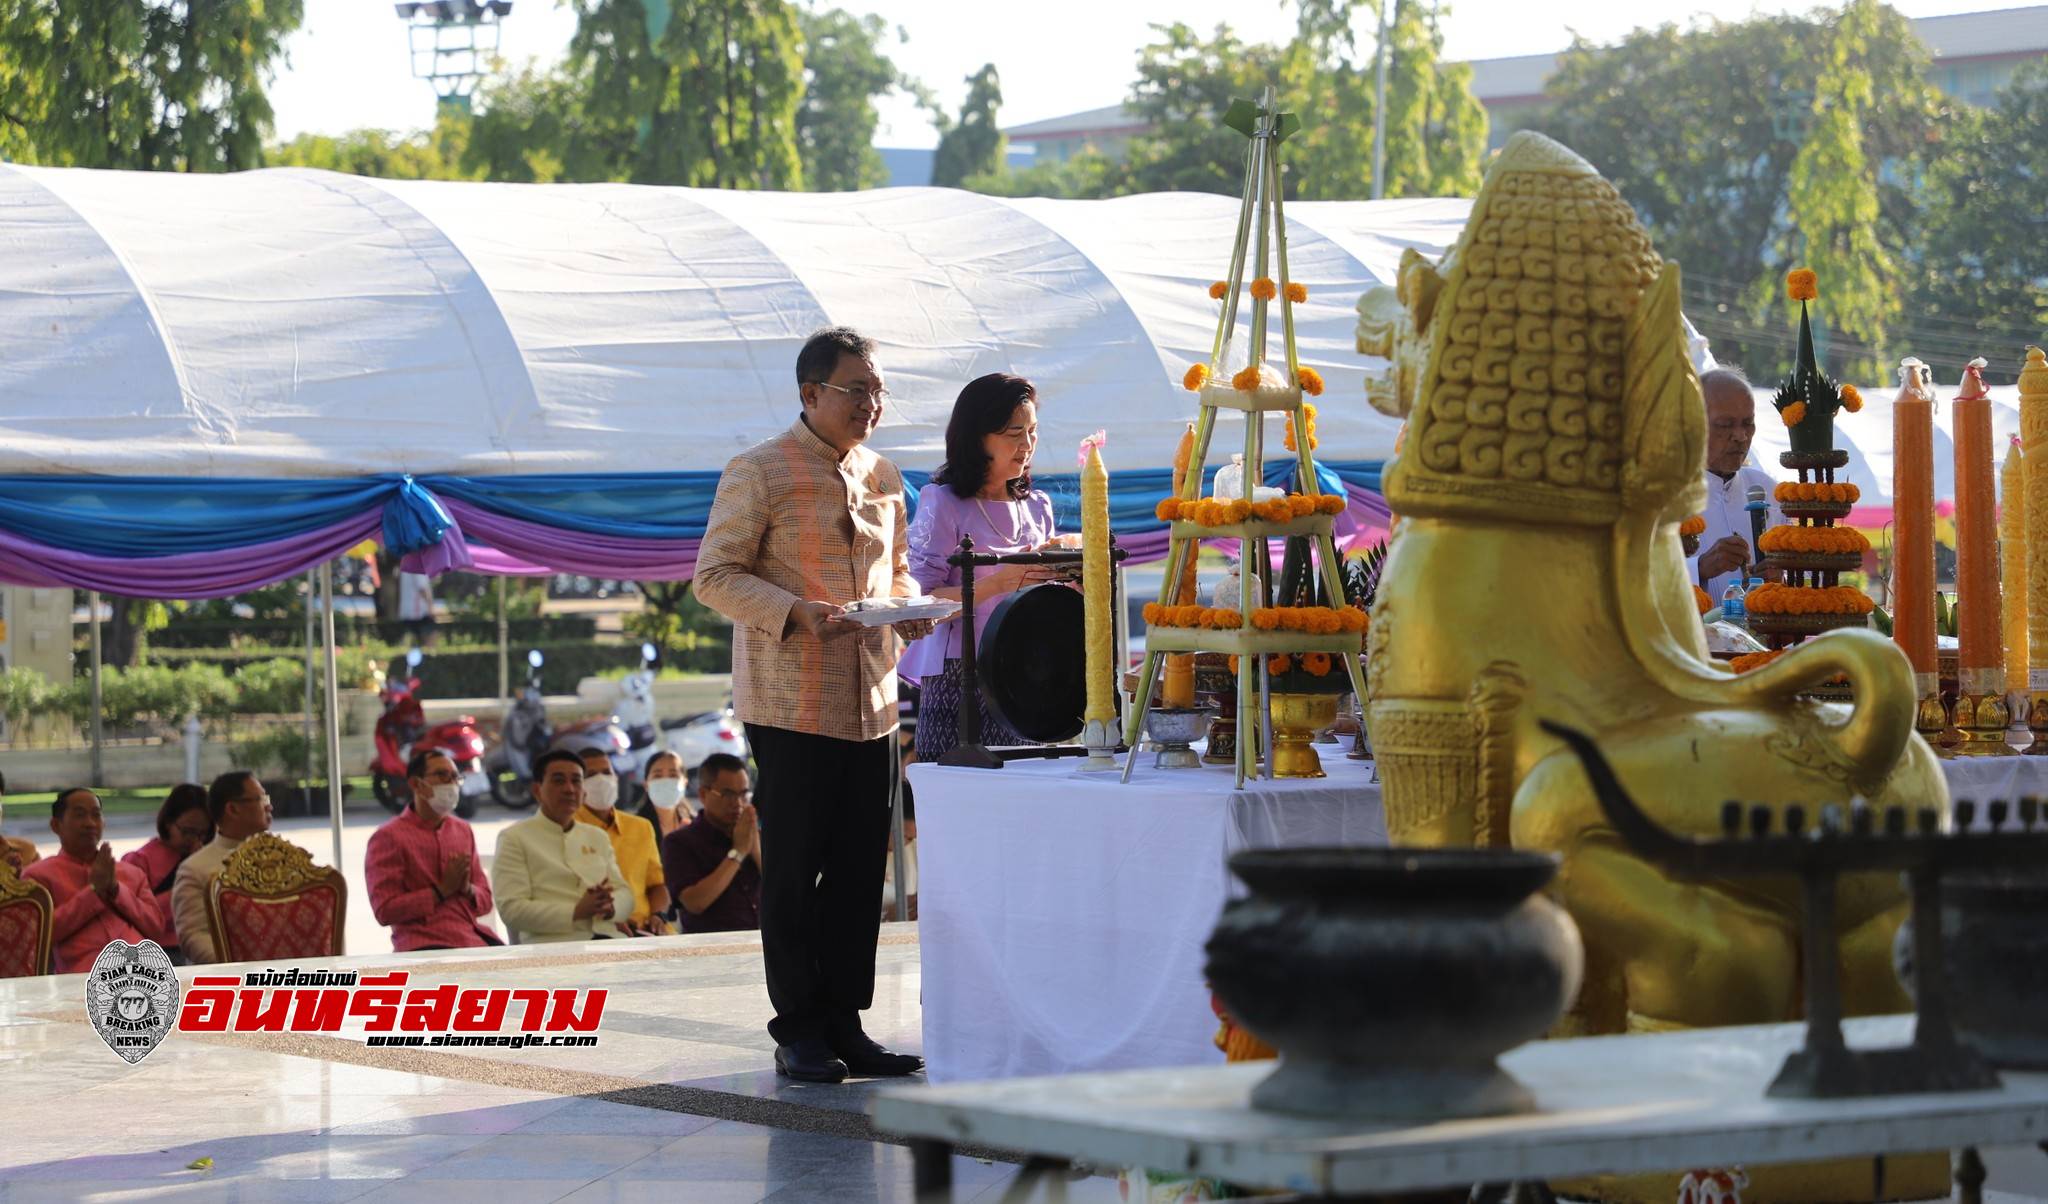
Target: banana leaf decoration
x=1809 y=397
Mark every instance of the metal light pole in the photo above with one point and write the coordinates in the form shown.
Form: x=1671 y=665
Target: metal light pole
x=333 y=709
x=504 y=655
x=306 y=783
x=92 y=602
x=1379 y=109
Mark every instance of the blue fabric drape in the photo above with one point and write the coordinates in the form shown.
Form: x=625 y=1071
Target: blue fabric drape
x=163 y=516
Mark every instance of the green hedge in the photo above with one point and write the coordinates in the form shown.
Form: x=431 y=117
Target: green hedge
x=282 y=637
x=473 y=673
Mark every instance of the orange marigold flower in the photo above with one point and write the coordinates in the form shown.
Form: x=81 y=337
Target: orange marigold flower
x=1239 y=509
x=1246 y=380
x=1226 y=619
x=1801 y=284
x=1793 y=414
x=1219 y=290
x=1264 y=289
x=1152 y=613
x=1280 y=662
x=1168 y=509
x=1300 y=505
x=1311 y=381
x=1317 y=663
x=1330 y=503
x=1197 y=376
x=1696 y=525
x=1297 y=292
x=1700 y=599
x=1852 y=400
x=1266 y=618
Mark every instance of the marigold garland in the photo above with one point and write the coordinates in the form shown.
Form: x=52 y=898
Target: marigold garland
x=1775 y=599
x=1246 y=381
x=1316 y=663
x=1749 y=662
x=1793 y=414
x=1311 y=382
x=1852 y=399
x=1308 y=412
x=1696 y=525
x=1220 y=512
x=1700 y=599
x=1219 y=290
x=1816 y=491
x=1309 y=620
x=1297 y=292
x=1814 y=540
x=1801 y=284
x=1264 y=289
x=1197 y=377
x=1280 y=662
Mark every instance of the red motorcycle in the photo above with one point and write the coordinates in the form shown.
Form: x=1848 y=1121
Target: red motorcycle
x=403 y=731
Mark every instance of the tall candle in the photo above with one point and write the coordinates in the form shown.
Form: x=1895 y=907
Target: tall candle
x=1979 y=654
x=1913 y=523
x=1179 y=690
x=2012 y=570
x=2034 y=442
x=1098 y=630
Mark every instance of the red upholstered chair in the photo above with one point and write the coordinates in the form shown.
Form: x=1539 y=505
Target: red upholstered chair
x=25 y=938
x=270 y=902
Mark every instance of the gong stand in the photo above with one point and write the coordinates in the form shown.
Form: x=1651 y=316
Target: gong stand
x=970 y=751
x=1827 y=1068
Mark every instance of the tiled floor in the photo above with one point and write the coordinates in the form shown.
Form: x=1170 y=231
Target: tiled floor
x=624 y=1122
x=76 y=1124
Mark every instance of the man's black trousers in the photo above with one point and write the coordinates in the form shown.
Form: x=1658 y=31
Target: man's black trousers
x=824 y=810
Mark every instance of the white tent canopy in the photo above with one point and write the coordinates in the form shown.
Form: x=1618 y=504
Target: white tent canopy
x=305 y=323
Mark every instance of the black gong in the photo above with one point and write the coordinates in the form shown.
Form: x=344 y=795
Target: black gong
x=1032 y=662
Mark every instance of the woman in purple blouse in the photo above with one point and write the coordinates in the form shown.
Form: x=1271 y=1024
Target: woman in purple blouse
x=983 y=490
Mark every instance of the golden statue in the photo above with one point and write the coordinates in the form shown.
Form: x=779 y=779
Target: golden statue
x=1555 y=442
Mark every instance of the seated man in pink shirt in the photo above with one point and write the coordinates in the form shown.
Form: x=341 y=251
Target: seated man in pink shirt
x=96 y=899
x=424 y=879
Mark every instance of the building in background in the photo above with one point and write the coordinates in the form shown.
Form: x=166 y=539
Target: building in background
x=1974 y=55
x=911 y=166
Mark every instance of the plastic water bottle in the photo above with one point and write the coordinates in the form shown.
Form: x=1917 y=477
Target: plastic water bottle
x=1732 y=609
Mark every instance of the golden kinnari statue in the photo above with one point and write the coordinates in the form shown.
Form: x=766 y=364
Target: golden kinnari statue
x=1555 y=441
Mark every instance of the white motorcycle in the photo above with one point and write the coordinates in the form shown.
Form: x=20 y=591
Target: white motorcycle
x=690 y=737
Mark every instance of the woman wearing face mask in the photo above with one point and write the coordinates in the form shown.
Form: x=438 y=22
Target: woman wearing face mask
x=182 y=827
x=666 y=808
x=425 y=882
x=982 y=490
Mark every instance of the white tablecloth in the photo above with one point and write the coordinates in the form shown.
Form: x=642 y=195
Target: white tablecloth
x=1062 y=914
x=1984 y=779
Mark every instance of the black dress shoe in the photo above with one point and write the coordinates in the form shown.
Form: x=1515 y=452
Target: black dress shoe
x=868 y=1060
x=809 y=1061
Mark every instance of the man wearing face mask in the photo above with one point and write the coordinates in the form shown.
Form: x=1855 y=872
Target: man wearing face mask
x=633 y=843
x=426 y=884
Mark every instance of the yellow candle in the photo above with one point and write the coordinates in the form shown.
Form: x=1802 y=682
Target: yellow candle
x=2034 y=440
x=2012 y=568
x=1179 y=690
x=1913 y=510
x=1979 y=655
x=1099 y=629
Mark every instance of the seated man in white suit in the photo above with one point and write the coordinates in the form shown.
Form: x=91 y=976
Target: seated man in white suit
x=556 y=879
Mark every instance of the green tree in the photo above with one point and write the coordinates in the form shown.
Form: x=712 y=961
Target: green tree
x=140 y=83
x=1982 y=283
x=1184 y=84
x=533 y=126
x=845 y=71
x=1436 y=128
x=973 y=144
x=436 y=154
x=1087 y=176
x=1701 y=129
x=711 y=89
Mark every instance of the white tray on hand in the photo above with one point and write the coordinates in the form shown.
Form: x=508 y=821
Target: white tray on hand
x=880 y=612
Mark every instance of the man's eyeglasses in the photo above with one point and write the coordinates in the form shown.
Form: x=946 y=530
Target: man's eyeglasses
x=744 y=796
x=860 y=397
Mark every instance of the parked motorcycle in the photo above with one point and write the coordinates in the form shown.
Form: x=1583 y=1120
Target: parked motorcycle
x=402 y=731
x=522 y=736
